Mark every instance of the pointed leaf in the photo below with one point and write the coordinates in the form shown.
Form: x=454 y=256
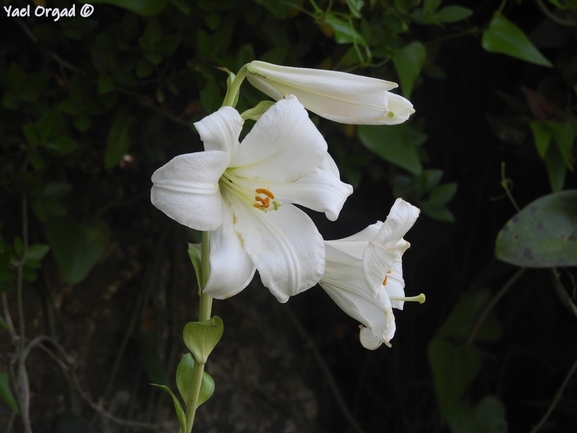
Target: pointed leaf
x=392 y=143
x=6 y=393
x=119 y=139
x=202 y=337
x=177 y=407
x=543 y=234
x=409 y=62
x=504 y=37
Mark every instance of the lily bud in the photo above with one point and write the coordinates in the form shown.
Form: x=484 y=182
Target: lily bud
x=337 y=96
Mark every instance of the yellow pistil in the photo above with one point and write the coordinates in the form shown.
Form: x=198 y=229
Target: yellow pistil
x=420 y=298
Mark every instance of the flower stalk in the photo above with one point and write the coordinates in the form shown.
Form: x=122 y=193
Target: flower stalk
x=205 y=310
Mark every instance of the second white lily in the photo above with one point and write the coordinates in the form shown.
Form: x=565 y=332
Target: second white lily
x=364 y=274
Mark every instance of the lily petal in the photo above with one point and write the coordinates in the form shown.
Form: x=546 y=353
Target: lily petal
x=186 y=189
x=283 y=145
x=231 y=269
x=285 y=246
x=344 y=283
x=220 y=130
x=400 y=219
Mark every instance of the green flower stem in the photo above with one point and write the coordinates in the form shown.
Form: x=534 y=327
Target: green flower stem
x=205 y=309
x=232 y=93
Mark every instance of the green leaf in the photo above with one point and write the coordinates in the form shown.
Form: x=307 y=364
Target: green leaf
x=62 y=145
x=194 y=252
x=50 y=125
x=409 y=62
x=464 y=316
x=487 y=416
x=504 y=37
x=177 y=407
x=145 y=8
x=442 y=194
x=543 y=234
x=6 y=393
x=106 y=83
x=430 y=6
x=355 y=7
x=560 y=131
x=393 y=144
x=454 y=368
x=3 y=323
x=202 y=337
x=345 y=32
x=148 y=351
x=105 y=55
x=184 y=375
x=37 y=252
x=452 y=14
x=119 y=138
x=77 y=246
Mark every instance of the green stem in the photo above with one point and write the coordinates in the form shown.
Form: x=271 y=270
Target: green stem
x=205 y=309
x=232 y=93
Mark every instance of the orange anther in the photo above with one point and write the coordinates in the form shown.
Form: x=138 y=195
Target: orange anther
x=264 y=191
x=385 y=280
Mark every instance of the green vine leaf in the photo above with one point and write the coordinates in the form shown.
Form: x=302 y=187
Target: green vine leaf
x=504 y=37
x=543 y=234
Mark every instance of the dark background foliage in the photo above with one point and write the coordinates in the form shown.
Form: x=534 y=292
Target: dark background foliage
x=98 y=281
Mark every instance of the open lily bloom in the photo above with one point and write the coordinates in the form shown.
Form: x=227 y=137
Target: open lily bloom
x=243 y=193
x=364 y=274
x=334 y=95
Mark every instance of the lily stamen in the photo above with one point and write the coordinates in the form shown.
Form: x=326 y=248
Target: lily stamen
x=265 y=191
x=386 y=277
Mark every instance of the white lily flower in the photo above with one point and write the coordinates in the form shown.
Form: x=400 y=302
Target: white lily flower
x=334 y=95
x=364 y=274
x=243 y=193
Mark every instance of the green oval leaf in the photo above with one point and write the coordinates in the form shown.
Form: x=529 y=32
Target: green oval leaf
x=184 y=375
x=543 y=234
x=504 y=37
x=202 y=337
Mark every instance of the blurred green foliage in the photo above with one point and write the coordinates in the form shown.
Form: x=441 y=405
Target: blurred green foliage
x=91 y=105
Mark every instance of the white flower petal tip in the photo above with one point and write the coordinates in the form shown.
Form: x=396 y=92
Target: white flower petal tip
x=334 y=95
x=244 y=194
x=364 y=274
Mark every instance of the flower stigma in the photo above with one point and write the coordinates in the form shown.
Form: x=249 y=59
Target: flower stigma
x=420 y=298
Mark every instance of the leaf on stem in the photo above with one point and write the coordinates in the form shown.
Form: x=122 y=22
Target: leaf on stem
x=202 y=337
x=184 y=374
